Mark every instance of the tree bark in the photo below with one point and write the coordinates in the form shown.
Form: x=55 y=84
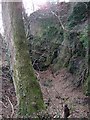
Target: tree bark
x=28 y=91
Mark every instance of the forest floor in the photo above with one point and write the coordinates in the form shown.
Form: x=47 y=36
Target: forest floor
x=57 y=90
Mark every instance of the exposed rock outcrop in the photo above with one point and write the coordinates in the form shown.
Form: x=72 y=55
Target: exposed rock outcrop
x=58 y=48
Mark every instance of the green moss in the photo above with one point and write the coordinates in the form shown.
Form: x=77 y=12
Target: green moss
x=87 y=86
x=78 y=15
x=27 y=87
x=84 y=37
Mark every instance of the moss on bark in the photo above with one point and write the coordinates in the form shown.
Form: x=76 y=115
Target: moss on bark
x=27 y=87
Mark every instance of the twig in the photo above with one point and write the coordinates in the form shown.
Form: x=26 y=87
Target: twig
x=11 y=106
x=34 y=64
x=57 y=93
x=37 y=74
x=59 y=20
x=51 y=100
x=60 y=97
x=3 y=104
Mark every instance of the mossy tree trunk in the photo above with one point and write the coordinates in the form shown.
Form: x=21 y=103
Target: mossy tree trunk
x=89 y=36
x=88 y=52
x=88 y=79
x=27 y=87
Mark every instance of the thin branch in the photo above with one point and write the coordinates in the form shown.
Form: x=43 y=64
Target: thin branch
x=3 y=104
x=37 y=74
x=11 y=106
x=34 y=64
x=59 y=20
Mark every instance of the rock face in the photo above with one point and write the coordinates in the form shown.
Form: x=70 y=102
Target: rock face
x=57 y=48
x=73 y=56
x=47 y=35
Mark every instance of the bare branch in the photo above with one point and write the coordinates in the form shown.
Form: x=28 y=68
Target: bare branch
x=3 y=104
x=11 y=106
x=59 y=20
x=37 y=74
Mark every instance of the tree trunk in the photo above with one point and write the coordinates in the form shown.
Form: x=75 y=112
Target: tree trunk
x=28 y=91
x=88 y=79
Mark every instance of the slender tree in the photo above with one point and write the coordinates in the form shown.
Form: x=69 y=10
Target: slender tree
x=88 y=52
x=28 y=91
x=88 y=79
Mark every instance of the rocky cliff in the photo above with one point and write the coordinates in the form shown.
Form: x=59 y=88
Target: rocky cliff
x=51 y=46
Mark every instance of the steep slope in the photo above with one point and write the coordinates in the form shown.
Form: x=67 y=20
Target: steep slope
x=58 y=48
x=59 y=58
x=58 y=90
x=52 y=46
